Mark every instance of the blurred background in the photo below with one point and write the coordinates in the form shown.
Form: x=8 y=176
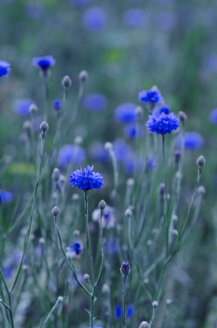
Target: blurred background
x=125 y=46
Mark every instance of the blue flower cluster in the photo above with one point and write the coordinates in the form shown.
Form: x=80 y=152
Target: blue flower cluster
x=70 y=154
x=126 y=113
x=192 y=141
x=119 y=311
x=163 y=123
x=86 y=179
x=4 y=68
x=150 y=96
x=95 y=102
x=77 y=248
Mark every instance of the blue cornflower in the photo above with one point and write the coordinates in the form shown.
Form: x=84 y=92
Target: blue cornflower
x=150 y=96
x=4 y=68
x=118 y=311
x=98 y=152
x=77 y=248
x=132 y=131
x=70 y=154
x=86 y=179
x=162 y=109
x=162 y=124
x=192 y=141
x=134 y=17
x=130 y=311
x=126 y=113
x=21 y=106
x=57 y=105
x=44 y=63
x=213 y=116
x=95 y=102
x=95 y=18
x=5 y=196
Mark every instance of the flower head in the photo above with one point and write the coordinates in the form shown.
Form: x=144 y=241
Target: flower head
x=5 y=196
x=133 y=131
x=44 y=63
x=213 y=116
x=57 y=105
x=95 y=18
x=192 y=141
x=162 y=109
x=150 y=96
x=162 y=124
x=4 y=68
x=86 y=179
x=126 y=113
x=77 y=248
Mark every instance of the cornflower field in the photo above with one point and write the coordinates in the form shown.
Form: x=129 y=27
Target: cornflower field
x=108 y=164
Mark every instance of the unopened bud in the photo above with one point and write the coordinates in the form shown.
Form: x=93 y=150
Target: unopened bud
x=125 y=269
x=27 y=126
x=33 y=109
x=66 y=82
x=177 y=156
x=56 y=174
x=86 y=276
x=130 y=182
x=128 y=213
x=201 y=190
x=102 y=205
x=60 y=299
x=44 y=128
x=182 y=116
x=55 y=211
x=108 y=146
x=139 y=112
x=161 y=189
x=83 y=76
x=201 y=161
x=155 y=305
x=105 y=289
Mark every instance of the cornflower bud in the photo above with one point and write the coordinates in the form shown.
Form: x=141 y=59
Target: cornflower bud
x=102 y=205
x=125 y=269
x=55 y=211
x=83 y=76
x=44 y=128
x=66 y=82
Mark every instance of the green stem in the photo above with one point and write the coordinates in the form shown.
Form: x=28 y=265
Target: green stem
x=123 y=300
x=45 y=320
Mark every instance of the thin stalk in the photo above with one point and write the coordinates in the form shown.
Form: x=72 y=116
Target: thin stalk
x=46 y=319
x=124 y=300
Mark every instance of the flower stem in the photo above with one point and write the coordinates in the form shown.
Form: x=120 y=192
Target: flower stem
x=123 y=300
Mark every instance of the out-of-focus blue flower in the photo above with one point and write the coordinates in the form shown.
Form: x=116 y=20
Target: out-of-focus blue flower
x=111 y=246
x=95 y=18
x=126 y=113
x=162 y=109
x=95 y=102
x=118 y=311
x=4 y=68
x=77 y=248
x=98 y=152
x=130 y=311
x=86 y=179
x=70 y=154
x=44 y=63
x=34 y=9
x=8 y=271
x=192 y=141
x=122 y=150
x=165 y=20
x=5 y=196
x=134 y=17
x=108 y=219
x=150 y=96
x=133 y=131
x=57 y=105
x=213 y=116
x=21 y=106
x=162 y=124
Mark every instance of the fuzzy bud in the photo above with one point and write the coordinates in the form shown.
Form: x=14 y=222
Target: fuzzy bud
x=27 y=126
x=33 y=109
x=161 y=189
x=130 y=182
x=60 y=299
x=125 y=269
x=55 y=211
x=155 y=305
x=177 y=156
x=56 y=174
x=201 y=161
x=83 y=76
x=66 y=82
x=86 y=276
x=75 y=197
x=128 y=213
x=102 y=205
x=44 y=128
x=105 y=289
x=144 y=324
x=139 y=112
x=108 y=146
x=201 y=190
x=182 y=116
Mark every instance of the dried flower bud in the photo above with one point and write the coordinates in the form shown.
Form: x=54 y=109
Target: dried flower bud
x=201 y=190
x=27 y=126
x=161 y=189
x=108 y=146
x=102 y=205
x=83 y=76
x=86 y=276
x=56 y=174
x=144 y=324
x=33 y=109
x=66 y=82
x=55 y=211
x=177 y=156
x=128 y=213
x=60 y=299
x=201 y=161
x=182 y=116
x=44 y=128
x=125 y=269
x=155 y=305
